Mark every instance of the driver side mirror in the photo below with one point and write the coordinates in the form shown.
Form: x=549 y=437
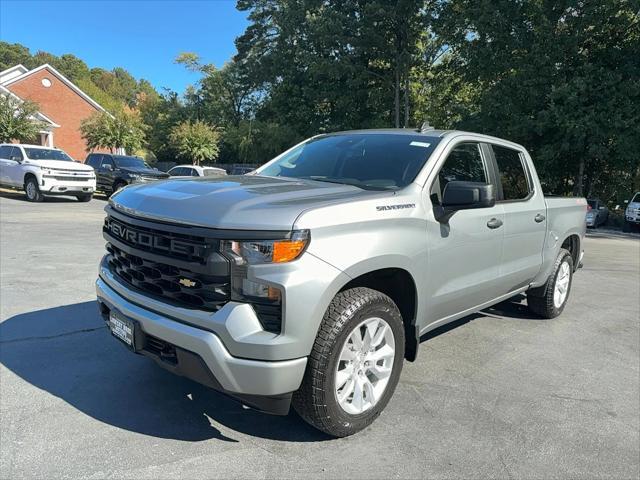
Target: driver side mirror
x=459 y=195
x=467 y=195
x=108 y=167
x=16 y=159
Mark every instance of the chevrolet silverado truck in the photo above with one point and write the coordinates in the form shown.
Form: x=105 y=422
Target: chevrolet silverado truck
x=41 y=171
x=311 y=280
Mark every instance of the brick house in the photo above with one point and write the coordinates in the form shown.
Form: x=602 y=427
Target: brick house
x=63 y=106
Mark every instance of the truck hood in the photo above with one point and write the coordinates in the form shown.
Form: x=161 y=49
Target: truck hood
x=60 y=164
x=234 y=202
x=147 y=172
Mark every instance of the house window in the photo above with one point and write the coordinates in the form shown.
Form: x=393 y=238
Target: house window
x=46 y=83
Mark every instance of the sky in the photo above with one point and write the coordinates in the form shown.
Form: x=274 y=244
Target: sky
x=144 y=37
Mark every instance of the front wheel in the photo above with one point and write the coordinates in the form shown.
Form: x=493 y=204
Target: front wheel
x=549 y=300
x=85 y=197
x=354 y=365
x=32 y=190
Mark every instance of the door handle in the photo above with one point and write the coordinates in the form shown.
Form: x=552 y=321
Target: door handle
x=539 y=218
x=494 y=223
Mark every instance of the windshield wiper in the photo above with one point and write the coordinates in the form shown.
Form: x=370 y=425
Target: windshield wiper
x=344 y=181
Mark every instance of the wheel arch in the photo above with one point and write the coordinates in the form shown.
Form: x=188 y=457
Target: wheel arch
x=399 y=285
x=28 y=175
x=572 y=244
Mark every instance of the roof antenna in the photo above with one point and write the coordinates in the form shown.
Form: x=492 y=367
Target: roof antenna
x=426 y=127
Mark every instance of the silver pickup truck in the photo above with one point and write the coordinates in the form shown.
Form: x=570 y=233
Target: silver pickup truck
x=311 y=280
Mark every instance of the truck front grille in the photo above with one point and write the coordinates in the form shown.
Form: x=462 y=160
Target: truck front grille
x=183 y=287
x=176 y=264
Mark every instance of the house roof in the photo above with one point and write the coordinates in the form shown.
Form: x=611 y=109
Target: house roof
x=62 y=78
x=12 y=72
x=39 y=115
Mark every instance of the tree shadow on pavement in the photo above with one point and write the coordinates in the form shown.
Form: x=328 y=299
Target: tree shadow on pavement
x=68 y=352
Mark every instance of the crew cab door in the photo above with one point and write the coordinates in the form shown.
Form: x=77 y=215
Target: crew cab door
x=525 y=218
x=464 y=251
x=5 y=161
x=12 y=171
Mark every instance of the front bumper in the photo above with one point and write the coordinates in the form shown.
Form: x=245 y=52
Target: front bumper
x=201 y=356
x=52 y=186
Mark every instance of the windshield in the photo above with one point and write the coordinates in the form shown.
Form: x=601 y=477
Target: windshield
x=367 y=160
x=636 y=198
x=213 y=172
x=47 y=154
x=135 y=162
x=592 y=203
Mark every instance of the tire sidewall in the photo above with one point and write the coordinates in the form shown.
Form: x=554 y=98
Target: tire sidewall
x=564 y=257
x=37 y=194
x=390 y=314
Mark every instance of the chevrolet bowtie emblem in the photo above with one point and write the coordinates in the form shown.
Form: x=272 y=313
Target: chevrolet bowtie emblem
x=187 y=283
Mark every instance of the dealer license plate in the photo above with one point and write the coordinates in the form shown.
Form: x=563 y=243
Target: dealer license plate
x=122 y=328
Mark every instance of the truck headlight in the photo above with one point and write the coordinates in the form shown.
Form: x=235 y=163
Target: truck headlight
x=259 y=252
x=255 y=252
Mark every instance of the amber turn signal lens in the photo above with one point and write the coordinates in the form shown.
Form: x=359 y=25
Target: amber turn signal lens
x=287 y=250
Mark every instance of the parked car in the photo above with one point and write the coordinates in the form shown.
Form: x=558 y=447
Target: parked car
x=41 y=171
x=312 y=280
x=196 y=171
x=597 y=213
x=632 y=214
x=116 y=171
x=241 y=170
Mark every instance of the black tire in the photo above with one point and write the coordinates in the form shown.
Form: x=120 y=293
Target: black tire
x=85 y=198
x=316 y=400
x=117 y=185
x=626 y=227
x=32 y=190
x=541 y=299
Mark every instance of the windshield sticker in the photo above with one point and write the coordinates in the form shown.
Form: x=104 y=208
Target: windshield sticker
x=420 y=144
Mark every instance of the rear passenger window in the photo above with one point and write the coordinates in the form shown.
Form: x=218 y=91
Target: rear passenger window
x=463 y=164
x=5 y=152
x=515 y=185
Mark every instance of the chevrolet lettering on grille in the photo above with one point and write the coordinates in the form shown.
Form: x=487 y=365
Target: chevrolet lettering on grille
x=141 y=238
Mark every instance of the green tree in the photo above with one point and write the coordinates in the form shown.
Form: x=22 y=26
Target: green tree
x=196 y=141
x=12 y=54
x=122 y=130
x=562 y=78
x=17 y=119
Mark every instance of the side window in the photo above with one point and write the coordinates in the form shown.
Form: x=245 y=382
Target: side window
x=107 y=160
x=513 y=177
x=5 y=152
x=93 y=160
x=464 y=163
x=16 y=153
x=177 y=172
x=194 y=172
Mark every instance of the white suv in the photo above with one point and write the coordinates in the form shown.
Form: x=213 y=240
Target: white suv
x=44 y=171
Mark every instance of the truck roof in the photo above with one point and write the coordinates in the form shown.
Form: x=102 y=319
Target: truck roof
x=432 y=133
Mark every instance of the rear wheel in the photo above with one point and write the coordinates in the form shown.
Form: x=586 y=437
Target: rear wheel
x=549 y=300
x=355 y=363
x=32 y=190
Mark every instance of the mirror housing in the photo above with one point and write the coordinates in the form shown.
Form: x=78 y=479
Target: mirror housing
x=108 y=167
x=467 y=195
x=16 y=159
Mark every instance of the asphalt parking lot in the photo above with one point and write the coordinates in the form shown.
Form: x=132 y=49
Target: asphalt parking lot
x=501 y=394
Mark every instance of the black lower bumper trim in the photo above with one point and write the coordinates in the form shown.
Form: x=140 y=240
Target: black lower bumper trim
x=191 y=365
